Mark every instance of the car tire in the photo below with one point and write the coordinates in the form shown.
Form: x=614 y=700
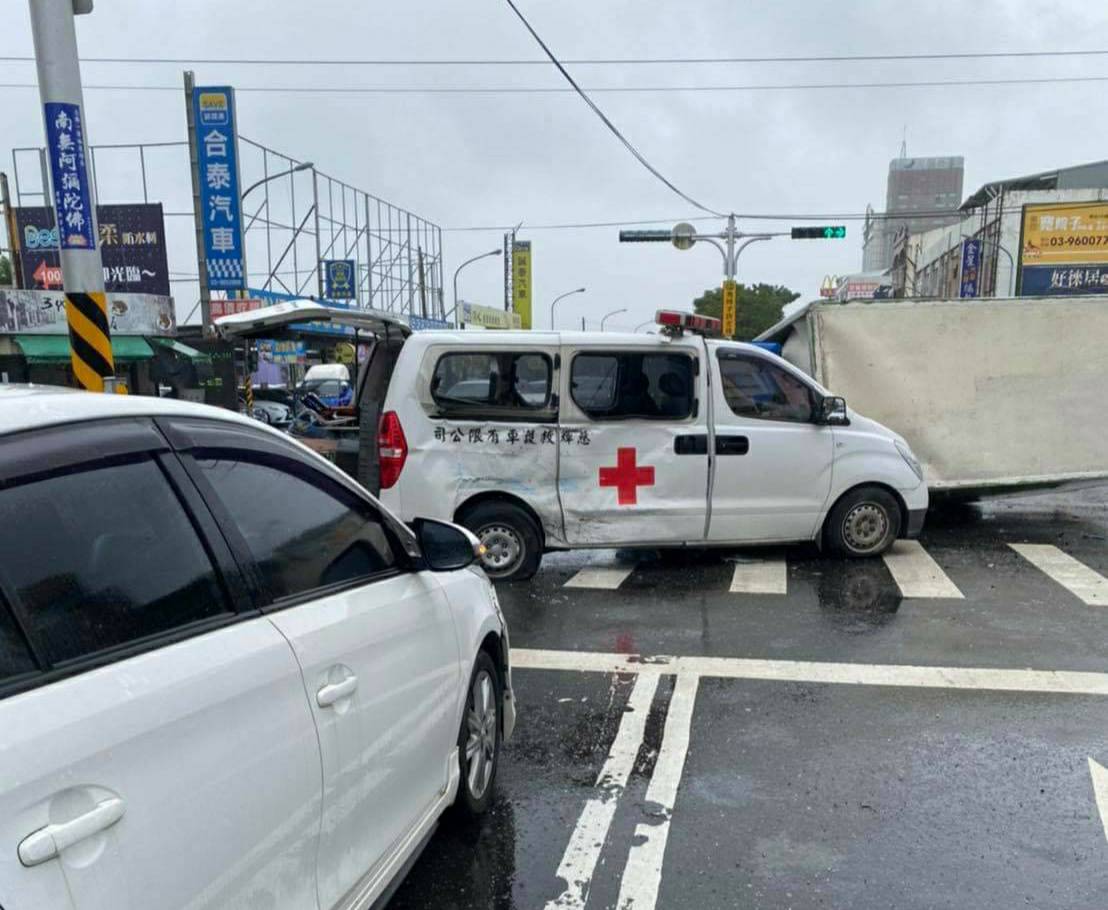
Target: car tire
x=864 y=522
x=479 y=738
x=512 y=539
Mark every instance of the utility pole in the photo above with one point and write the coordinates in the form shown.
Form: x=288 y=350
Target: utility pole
x=197 y=208
x=13 y=233
x=59 y=82
x=683 y=236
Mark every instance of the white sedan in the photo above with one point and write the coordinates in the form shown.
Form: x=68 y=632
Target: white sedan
x=228 y=676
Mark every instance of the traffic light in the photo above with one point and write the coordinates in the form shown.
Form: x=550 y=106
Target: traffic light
x=822 y=232
x=644 y=236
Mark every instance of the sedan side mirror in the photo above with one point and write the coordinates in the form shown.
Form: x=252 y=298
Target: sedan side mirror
x=832 y=411
x=446 y=546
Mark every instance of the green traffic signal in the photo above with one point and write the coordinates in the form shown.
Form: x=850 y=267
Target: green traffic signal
x=822 y=232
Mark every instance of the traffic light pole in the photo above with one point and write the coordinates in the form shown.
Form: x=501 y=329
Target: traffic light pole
x=74 y=199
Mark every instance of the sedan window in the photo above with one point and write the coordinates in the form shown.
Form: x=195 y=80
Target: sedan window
x=104 y=557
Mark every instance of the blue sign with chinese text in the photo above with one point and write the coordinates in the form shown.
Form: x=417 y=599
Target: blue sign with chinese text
x=220 y=206
x=971 y=266
x=1063 y=280
x=340 y=279
x=65 y=139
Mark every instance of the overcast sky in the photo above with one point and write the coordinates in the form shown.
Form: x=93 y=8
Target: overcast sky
x=464 y=160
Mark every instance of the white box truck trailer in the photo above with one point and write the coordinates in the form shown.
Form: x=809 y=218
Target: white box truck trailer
x=994 y=395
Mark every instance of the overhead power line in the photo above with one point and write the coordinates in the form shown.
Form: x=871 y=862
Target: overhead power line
x=583 y=61
x=936 y=214
x=620 y=89
x=604 y=119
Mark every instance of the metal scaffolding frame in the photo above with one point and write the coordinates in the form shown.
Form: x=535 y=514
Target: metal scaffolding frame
x=296 y=220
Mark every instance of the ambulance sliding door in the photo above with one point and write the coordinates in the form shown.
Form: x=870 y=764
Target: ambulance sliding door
x=633 y=444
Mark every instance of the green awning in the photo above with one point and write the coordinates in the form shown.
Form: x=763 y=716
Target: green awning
x=55 y=348
x=181 y=350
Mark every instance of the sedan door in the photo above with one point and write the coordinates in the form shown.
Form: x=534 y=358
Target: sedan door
x=158 y=751
x=376 y=645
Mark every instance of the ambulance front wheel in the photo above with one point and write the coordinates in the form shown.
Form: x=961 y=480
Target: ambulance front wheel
x=513 y=545
x=864 y=522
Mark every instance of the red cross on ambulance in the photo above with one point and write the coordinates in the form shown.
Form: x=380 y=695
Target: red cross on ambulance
x=626 y=476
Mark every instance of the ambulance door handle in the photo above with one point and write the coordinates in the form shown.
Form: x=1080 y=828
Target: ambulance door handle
x=692 y=444
x=732 y=445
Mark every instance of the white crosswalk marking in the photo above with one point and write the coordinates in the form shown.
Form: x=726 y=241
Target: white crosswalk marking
x=585 y=843
x=916 y=573
x=1073 y=575
x=760 y=576
x=607 y=578
x=638 y=890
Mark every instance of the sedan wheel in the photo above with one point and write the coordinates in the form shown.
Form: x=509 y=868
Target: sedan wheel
x=480 y=748
x=479 y=738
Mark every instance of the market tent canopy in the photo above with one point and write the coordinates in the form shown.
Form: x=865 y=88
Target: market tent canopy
x=181 y=350
x=55 y=348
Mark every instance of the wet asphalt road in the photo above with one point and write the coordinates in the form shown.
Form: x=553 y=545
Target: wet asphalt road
x=799 y=794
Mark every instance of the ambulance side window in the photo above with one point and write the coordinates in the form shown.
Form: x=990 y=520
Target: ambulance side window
x=618 y=385
x=499 y=384
x=754 y=387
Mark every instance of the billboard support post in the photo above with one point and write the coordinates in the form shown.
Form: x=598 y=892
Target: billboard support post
x=197 y=212
x=59 y=81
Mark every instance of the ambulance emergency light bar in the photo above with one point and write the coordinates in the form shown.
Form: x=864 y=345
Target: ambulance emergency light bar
x=675 y=320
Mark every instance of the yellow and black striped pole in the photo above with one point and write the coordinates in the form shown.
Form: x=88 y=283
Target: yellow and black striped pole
x=59 y=80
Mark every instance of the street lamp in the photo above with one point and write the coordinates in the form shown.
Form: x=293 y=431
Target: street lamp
x=559 y=297
x=608 y=315
x=641 y=324
x=458 y=269
x=302 y=166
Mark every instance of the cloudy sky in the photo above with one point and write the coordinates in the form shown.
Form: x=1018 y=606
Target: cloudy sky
x=541 y=159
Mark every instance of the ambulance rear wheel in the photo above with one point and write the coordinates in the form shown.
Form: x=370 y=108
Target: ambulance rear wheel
x=865 y=522
x=513 y=545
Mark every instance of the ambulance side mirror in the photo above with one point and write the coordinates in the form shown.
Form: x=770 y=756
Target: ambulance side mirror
x=832 y=411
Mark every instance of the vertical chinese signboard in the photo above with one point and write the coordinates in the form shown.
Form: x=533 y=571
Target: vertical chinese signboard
x=730 y=308
x=65 y=137
x=971 y=268
x=220 y=203
x=1064 y=249
x=521 y=281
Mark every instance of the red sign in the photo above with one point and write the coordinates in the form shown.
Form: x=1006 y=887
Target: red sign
x=627 y=477
x=232 y=306
x=47 y=276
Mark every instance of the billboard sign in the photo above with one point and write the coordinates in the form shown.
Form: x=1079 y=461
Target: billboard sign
x=1064 y=249
x=65 y=140
x=730 y=307
x=220 y=202
x=132 y=248
x=339 y=279
x=521 y=281
x=236 y=305
x=971 y=267
x=488 y=317
x=43 y=313
x=283 y=351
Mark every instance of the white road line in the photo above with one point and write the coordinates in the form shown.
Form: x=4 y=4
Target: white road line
x=579 y=861
x=606 y=578
x=1071 y=682
x=1091 y=587
x=916 y=573
x=760 y=576
x=642 y=875
x=1100 y=792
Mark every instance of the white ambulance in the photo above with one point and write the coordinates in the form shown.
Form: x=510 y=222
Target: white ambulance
x=541 y=441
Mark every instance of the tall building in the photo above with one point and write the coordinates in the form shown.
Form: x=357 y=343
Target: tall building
x=917 y=188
